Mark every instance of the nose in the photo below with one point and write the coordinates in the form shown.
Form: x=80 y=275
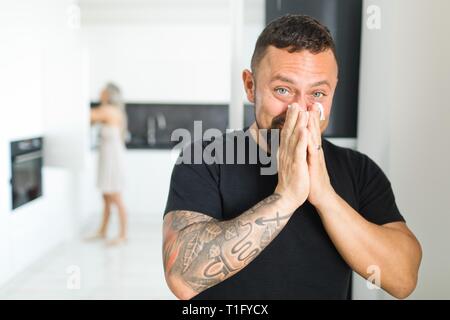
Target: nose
x=302 y=104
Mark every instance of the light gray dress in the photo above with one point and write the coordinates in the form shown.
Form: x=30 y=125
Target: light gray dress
x=111 y=162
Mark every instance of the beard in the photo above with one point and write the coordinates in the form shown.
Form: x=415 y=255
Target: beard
x=278 y=121
x=276 y=124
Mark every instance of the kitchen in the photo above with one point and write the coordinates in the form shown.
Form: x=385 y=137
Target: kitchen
x=176 y=62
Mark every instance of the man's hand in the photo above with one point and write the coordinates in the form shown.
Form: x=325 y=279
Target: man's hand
x=320 y=185
x=347 y=229
x=293 y=177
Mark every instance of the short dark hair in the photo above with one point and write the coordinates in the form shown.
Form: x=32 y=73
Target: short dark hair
x=295 y=32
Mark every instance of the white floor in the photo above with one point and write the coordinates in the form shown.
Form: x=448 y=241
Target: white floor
x=91 y=270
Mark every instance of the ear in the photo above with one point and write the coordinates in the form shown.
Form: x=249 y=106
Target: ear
x=249 y=85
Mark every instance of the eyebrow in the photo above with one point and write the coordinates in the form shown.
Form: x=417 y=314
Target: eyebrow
x=319 y=83
x=289 y=80
x=282 y=78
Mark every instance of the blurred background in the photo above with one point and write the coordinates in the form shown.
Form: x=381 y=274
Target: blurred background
x=178 y=61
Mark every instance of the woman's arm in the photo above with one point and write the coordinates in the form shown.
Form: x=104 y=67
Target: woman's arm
x=98 y=114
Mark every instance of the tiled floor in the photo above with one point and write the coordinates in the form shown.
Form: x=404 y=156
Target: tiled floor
x=130 y=271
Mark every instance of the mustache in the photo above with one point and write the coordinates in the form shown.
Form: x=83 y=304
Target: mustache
x=278 y=121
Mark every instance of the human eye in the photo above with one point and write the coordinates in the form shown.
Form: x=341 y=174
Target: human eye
x=282 y=91
x=318 y=94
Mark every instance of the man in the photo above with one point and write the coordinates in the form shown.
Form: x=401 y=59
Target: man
x=232 y=233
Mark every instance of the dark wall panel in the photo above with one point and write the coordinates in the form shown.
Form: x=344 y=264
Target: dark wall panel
x=343 y=18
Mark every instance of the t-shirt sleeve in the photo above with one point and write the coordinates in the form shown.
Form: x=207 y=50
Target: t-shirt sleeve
x=195 y=187
x=376 y=197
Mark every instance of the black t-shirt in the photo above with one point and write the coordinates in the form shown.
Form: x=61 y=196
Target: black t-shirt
x=301 y=262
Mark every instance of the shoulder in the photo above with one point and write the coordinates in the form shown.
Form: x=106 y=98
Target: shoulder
x=347 y=158
x=342 y=153
x=111 y=115
x=361 y=166
x=112 y=111
x=102 y=110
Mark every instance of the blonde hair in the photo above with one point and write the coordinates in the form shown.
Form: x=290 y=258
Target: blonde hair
x=115 y=99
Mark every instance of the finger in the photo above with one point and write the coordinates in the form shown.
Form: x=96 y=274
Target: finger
x=302 y=145
x=289 y=123
x=316 y=154
x=278 y=160
x=314 y=124
x=313 y=151
x=302 y=122
x=316 y=157
x=317 y=107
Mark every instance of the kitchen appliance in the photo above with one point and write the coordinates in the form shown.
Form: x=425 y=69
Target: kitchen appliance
x=26 y=170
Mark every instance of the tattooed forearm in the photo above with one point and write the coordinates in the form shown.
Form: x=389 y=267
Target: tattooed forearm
x=175 y=222
x=181 y=219
x=277 y=220
x=202 y=251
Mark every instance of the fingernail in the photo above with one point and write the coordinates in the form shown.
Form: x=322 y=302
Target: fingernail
x=289 y=106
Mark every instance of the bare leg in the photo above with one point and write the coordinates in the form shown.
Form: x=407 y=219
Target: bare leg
x=101 y=233
x=106 y=215
x=116 y=198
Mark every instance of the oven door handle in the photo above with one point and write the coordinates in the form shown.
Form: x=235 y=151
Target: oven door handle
x=27 y=157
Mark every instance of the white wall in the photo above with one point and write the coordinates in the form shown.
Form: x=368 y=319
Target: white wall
x=160 y=51
x=166 y=51
x=419 y=150
x=404 y=120
x=375 y=103
x=36 y=91
x=153 y=59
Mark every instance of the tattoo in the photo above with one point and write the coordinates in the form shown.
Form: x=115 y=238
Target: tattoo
x=182 y=218
x=270 y=199
x=231 y=233
x=203 y=251
x=267 y=236
x=195 y=245
x=278 y=219
x=241 y=248
x=173 y=223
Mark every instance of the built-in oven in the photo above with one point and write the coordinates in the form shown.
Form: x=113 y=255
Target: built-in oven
x=26 y=171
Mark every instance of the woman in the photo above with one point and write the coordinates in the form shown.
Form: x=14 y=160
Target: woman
x=111 y=114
